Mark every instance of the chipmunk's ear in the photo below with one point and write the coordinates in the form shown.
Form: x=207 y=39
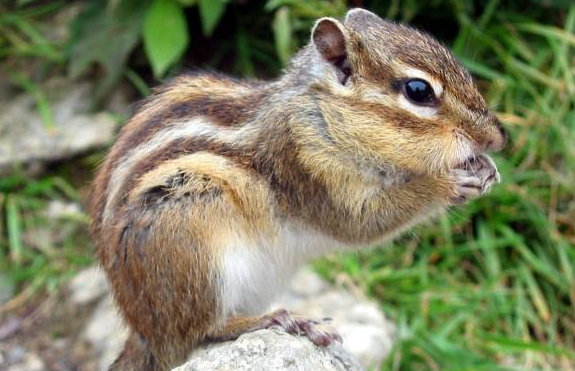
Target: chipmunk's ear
x=359 y=18
x=329 y=37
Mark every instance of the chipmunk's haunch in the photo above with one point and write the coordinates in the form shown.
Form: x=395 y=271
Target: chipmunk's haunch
x=217 y=189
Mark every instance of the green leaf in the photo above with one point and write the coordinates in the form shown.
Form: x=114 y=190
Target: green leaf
x=105 y=36
x=211 y=12
x=165 y=34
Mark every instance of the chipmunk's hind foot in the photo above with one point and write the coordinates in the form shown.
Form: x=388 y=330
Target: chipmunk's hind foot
x=318 y=332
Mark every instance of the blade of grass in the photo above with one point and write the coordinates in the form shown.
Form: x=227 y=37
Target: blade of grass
x=41 y=101
x=14 y=228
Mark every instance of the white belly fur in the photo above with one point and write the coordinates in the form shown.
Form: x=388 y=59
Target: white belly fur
x=253 y=276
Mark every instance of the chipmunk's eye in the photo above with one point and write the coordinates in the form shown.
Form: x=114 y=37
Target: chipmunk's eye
x=420 y=92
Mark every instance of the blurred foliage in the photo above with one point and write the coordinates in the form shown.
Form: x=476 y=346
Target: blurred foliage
x=491 y=286
x=28 y=253
x=19 y=35
x=106 y=35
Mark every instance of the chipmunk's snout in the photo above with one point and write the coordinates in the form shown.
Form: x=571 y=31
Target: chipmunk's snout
x=488 y=135
x=498 y=139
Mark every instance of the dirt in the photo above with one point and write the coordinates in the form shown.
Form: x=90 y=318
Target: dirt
x=49 y=328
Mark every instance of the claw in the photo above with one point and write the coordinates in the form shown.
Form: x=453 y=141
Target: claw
x=474 y=178
x=297 y=325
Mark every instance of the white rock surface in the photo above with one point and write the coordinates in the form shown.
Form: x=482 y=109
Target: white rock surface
x=88 y=285
x=106 y=333
x=268 y=350
x=26 y=139
x=366 y=334
x=58 y=209
x=15 y=358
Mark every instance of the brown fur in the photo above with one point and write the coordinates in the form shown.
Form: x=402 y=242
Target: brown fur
x=328 y=148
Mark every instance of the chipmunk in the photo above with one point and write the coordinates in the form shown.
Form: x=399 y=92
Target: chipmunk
x=218 y=189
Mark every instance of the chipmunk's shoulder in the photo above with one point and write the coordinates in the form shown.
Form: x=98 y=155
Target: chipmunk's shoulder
x=206 y=82
x=221 y=99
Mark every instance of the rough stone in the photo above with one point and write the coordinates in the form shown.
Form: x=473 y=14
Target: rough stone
x=31 y=363
x=271 y=349
x=366 y=333
x=14 y=355
x=88 y=285
x=27 y=140
x=16 y=358
x=58 y=209
x=105 y=333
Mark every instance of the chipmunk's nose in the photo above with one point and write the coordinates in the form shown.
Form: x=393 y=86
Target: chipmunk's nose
x=498 y=138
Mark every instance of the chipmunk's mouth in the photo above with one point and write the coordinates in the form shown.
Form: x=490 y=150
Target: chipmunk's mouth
x=470 y=163
x=467 y=150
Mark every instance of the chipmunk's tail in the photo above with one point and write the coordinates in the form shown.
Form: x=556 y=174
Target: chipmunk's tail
x=137 y=356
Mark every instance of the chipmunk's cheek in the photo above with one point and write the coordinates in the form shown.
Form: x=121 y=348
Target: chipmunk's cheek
x=422 y=112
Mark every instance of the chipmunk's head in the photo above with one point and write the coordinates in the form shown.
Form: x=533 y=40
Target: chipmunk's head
x=394 y=94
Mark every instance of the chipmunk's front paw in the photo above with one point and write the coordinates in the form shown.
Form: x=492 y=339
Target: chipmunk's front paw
x=473 y=179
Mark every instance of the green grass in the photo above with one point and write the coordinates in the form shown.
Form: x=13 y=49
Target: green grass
x=28 y=254
x=491 y=286
x=19 y=35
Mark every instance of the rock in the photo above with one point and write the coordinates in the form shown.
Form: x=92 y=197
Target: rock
x=271 y=349
x=10 y=326
x=88 y=285
x=366 y=333
x=307 y=284
x=105 y=333
x=16 y=358
x=14 y=354
x=30 y=363
x=26 y=139
x=58 y=209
